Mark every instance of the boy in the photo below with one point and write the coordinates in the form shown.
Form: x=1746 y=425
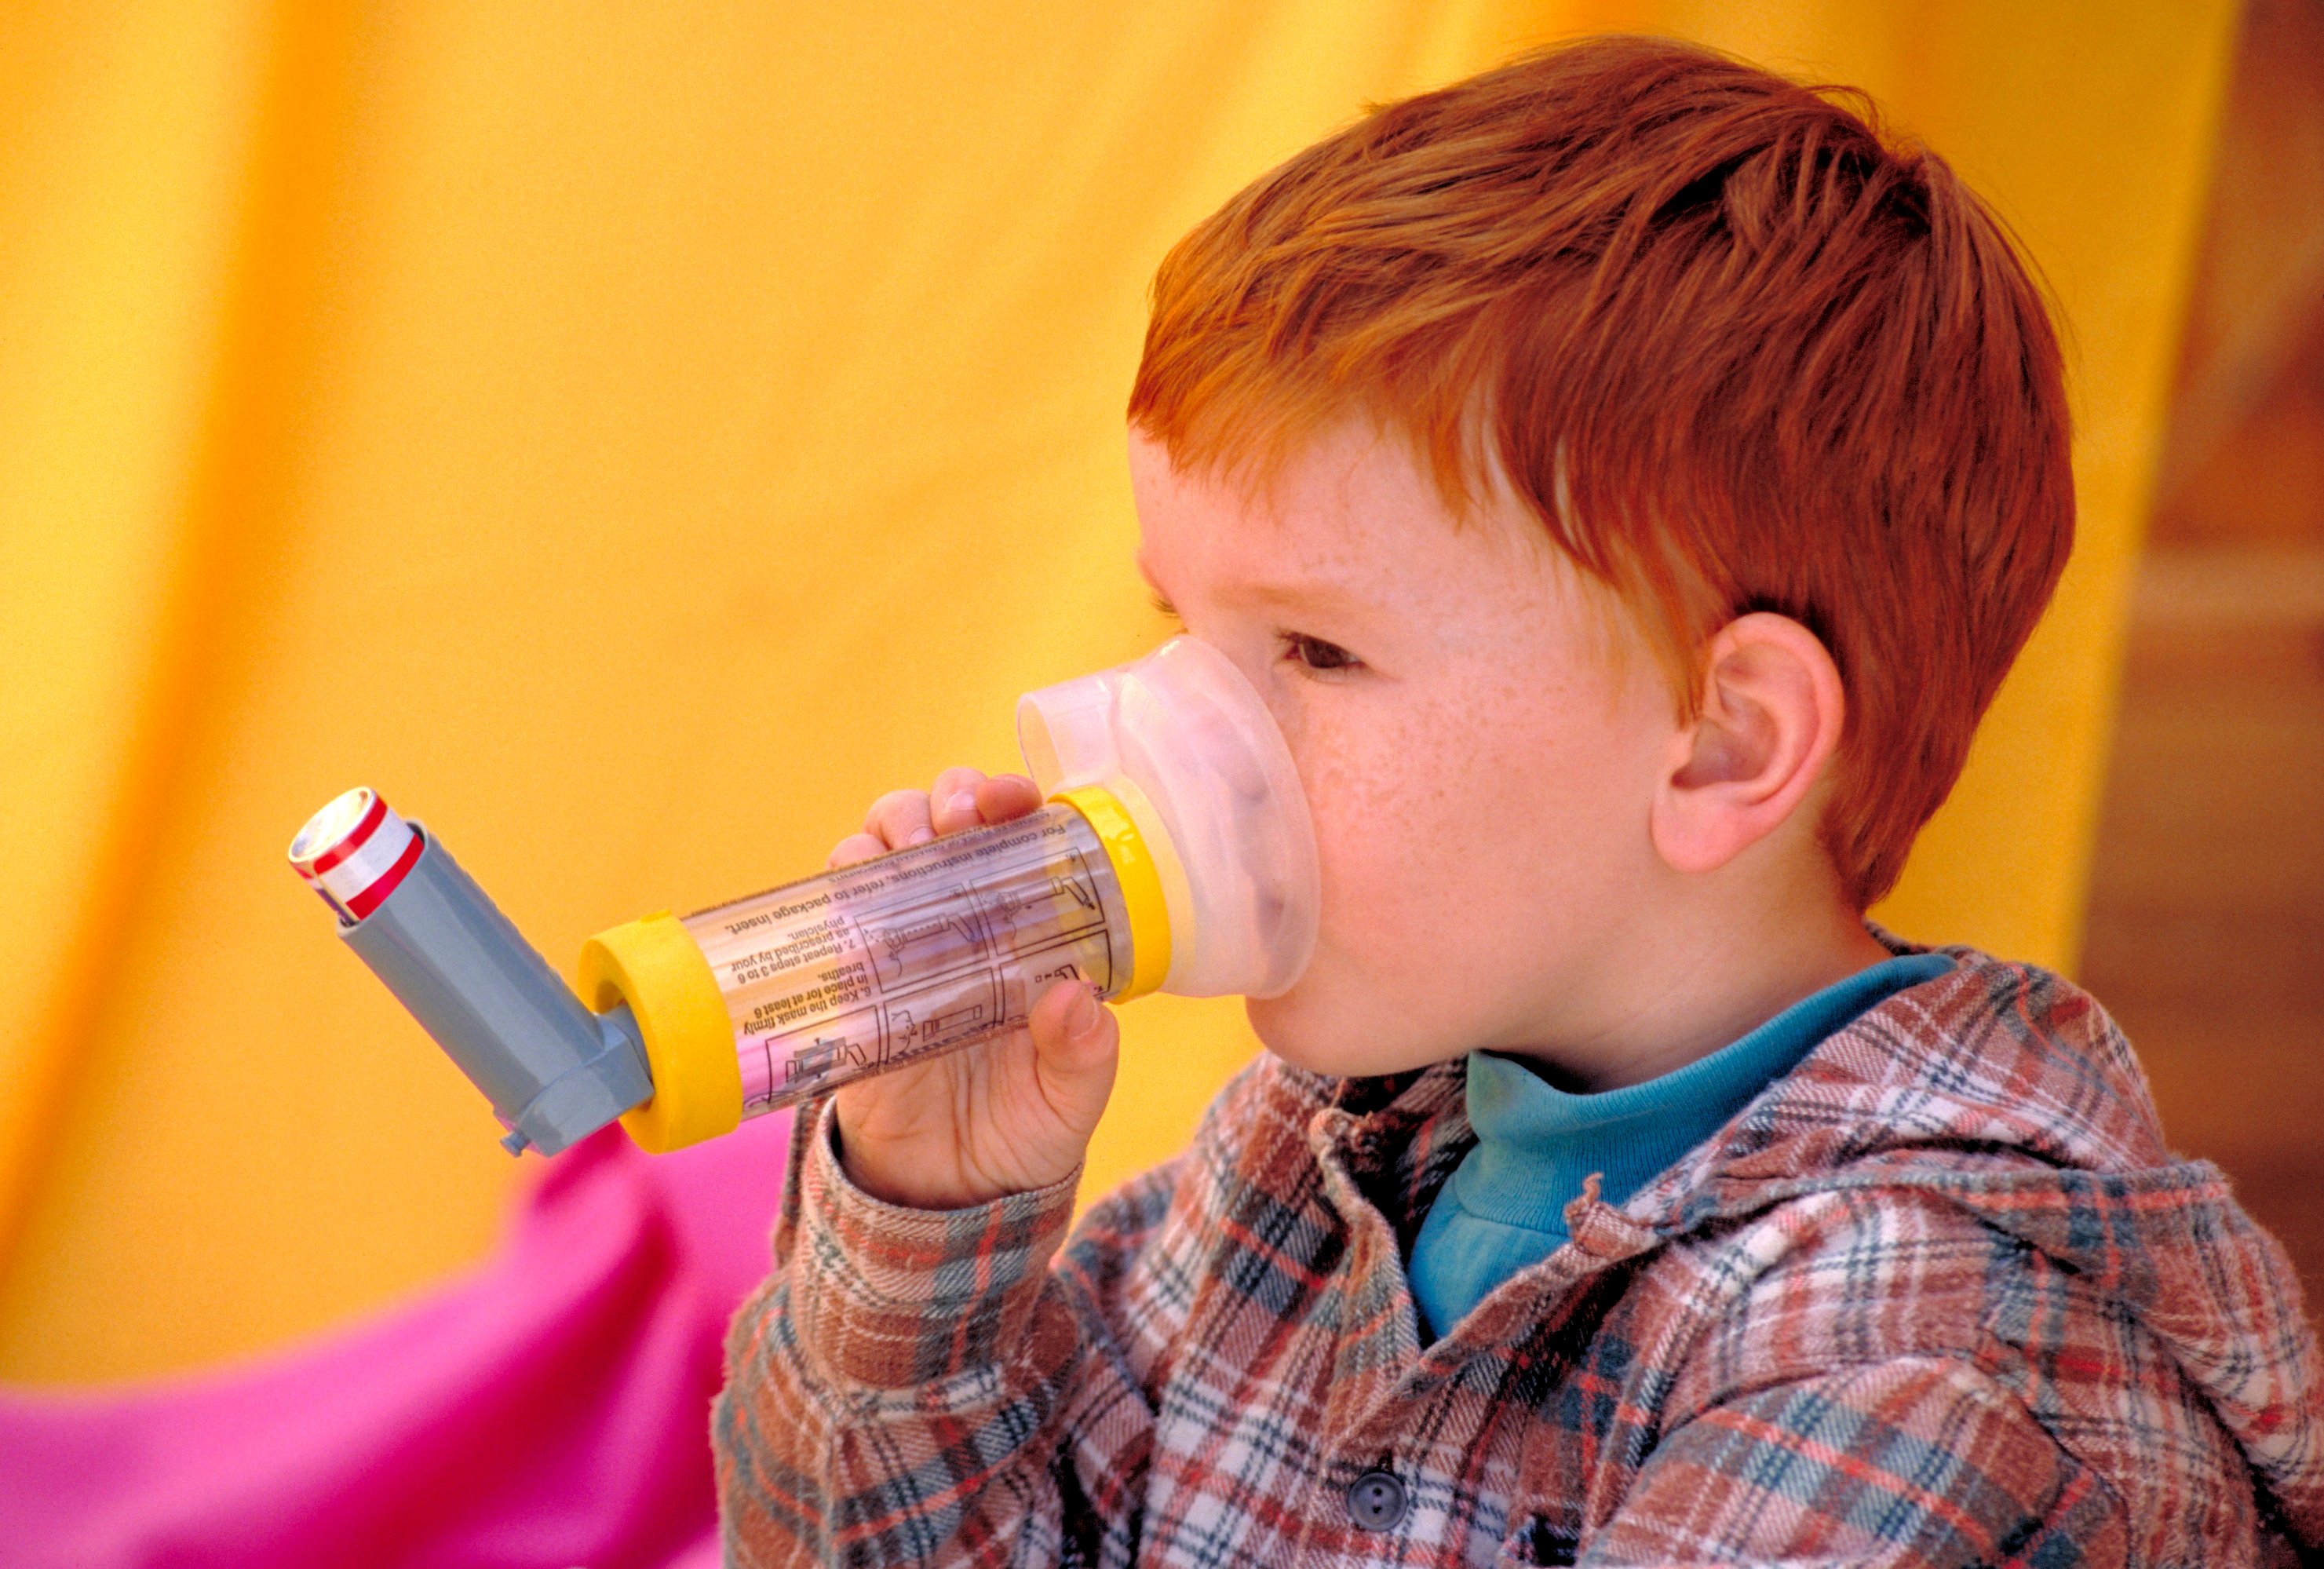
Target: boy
x=1628 y=479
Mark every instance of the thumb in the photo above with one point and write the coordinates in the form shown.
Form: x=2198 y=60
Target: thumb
x=1076 y=1038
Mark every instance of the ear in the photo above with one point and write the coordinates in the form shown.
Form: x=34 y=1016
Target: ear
x=1770 y=720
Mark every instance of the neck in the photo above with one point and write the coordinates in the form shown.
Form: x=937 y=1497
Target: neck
x=1701 y=969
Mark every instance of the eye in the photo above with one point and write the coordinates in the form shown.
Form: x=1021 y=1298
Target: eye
x=1322 y=658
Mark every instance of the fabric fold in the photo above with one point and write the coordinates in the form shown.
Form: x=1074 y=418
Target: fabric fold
x=551 y=1406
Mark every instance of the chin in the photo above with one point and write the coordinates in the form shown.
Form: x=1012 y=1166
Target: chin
x=1279 y=1022
x=1344 y=1043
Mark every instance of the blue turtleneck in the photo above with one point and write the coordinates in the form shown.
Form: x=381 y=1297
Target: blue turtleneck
x=1504 y=1206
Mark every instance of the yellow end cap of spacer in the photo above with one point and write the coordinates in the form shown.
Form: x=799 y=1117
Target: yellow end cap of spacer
x=1141 y=878
x=655 y=967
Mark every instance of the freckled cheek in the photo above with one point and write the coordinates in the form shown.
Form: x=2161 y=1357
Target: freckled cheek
x=1432 y=829
x=1385 y=824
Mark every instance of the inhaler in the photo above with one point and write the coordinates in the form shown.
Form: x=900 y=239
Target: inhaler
x=1172 y=853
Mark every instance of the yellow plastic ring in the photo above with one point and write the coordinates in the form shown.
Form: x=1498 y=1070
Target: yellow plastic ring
x=655 y=967
x=1140 y=879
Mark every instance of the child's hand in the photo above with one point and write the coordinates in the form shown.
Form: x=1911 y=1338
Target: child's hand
x=1006 y=1115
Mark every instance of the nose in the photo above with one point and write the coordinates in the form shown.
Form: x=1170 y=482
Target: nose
x=1255 y=667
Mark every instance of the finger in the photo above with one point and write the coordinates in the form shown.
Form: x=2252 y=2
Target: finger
x=899 y=818
x=953 y=801
x=1007 y=795
x=853 y=848
x=1076 y=1050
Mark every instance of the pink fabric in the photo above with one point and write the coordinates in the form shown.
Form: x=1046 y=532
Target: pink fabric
x=550 y=1409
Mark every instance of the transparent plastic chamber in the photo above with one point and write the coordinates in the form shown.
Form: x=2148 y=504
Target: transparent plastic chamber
x=1173 y=852
x=916 y=953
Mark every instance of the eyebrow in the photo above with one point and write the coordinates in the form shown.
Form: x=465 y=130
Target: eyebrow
x=1289 y=596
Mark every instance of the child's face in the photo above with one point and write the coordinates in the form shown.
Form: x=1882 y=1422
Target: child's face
x=1478 y=772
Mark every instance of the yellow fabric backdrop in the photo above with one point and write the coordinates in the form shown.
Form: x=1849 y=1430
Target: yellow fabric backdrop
x=634 y=437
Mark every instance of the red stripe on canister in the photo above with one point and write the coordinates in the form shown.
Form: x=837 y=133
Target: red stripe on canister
x=355 y=852
x=355 y=840
x=369 y=899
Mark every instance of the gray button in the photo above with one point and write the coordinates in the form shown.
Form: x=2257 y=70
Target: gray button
x=1376 y=1501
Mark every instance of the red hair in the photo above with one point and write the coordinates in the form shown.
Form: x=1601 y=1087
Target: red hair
x=1733 y=348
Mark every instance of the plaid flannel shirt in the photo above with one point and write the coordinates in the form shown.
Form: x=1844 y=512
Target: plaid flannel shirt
x=1938 y=1296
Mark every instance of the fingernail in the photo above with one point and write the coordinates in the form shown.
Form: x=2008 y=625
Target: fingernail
x=962 y=805
x=1081 y=1017
x=920 y=837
